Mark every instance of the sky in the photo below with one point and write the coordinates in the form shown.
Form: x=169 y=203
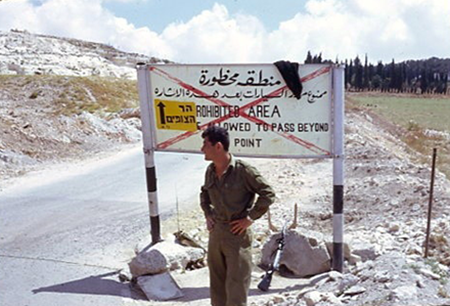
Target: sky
x=245 y=31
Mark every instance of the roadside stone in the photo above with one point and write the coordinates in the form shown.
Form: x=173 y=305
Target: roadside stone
x=164 y=256
x=312 y=298
x=347 y=252
x=331 y=299
x=365 y=250
x=355 y=290
x=278 y=299
x=321 y=298
x=335 y=275
x=347 y=281
x=151 y=262
x=302 y=256
x=354 y=259
x=160 y=287
x=125 y=276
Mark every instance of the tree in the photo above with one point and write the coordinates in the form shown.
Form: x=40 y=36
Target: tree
x=308 y=59
x=358 y=74
x=424 y=80
x=365 y=84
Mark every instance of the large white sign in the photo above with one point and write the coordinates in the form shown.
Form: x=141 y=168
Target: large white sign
x=252 y=102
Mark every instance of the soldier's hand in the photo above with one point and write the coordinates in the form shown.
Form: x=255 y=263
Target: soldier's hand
x=240 y=225
x=209 y=223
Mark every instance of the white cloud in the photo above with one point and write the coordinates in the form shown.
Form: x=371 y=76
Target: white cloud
x=213 y=36
x=82 y=19
x=384 y=29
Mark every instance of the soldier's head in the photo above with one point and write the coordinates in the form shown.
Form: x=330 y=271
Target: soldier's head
x=215 y=141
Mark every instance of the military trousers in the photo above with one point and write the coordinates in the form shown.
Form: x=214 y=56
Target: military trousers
x=230 y=265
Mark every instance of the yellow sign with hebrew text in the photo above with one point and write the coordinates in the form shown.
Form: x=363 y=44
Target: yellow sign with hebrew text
x=175 y=115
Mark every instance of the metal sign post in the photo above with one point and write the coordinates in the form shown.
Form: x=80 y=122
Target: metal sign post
x=149 y=150
x=263 y=116
x=338 y=169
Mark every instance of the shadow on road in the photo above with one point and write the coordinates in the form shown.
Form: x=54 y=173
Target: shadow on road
x=96 y=285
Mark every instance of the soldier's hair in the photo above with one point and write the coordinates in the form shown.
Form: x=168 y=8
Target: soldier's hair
x=217 y=134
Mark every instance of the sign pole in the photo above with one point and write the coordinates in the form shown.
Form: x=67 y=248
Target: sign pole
x=149 y=150
x=338 y=169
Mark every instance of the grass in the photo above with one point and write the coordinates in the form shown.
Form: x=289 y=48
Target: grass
x=430 y=113
x=415 y=115
x=73 y=95
x=93 y=94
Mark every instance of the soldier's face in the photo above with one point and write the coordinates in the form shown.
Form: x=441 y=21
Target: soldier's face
x=209 y=149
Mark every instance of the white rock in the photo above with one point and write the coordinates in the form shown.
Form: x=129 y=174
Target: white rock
x=164 y=256
x=394 y=202
x=321 y=298
x=429 y=274
x=354 y=259
x=160 y=287
x=312 y=298
x=278 y=299
x=382 y=276
x=331 y=299
x=347 y=281
x=404 y=292
x=150 y=262
x=335 y=275
x=355 y=290
x=365 y=250
x=394 y=227
x=415 y=207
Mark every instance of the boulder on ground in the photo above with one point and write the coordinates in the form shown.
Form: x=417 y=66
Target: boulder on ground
x=304 y=254
x=148 y=262
x=164 y=256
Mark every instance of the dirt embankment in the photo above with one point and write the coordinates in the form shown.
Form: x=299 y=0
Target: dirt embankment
x=46 y=119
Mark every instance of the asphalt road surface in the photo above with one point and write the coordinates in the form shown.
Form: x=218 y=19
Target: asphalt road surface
x=65 y=232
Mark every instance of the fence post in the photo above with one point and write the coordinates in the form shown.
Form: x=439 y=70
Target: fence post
x=430 y=201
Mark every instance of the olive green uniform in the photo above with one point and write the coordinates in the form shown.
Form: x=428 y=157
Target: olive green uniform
x=226 y=199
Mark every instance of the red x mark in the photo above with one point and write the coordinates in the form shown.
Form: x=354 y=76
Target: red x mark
x=312 y=147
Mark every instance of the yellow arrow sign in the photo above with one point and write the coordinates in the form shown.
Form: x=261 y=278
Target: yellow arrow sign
x=175 y=115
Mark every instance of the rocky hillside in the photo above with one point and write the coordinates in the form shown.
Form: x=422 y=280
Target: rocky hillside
x=24 y=53
x=53 y=118
x=63 y=98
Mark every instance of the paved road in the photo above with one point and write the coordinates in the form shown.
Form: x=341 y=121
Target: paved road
x=65 y=232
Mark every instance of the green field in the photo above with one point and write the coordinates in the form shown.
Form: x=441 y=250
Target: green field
x=416 y=115
x=428 y=113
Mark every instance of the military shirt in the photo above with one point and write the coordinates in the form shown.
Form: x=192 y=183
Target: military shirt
x=232 y=196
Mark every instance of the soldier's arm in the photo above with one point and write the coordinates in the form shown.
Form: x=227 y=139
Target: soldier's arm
x=205 y=204
x=266 y=195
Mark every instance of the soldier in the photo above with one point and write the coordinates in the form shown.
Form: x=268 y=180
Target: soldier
x=228 y=202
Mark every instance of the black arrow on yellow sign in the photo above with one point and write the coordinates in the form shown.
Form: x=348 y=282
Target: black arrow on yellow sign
x=162 y=115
